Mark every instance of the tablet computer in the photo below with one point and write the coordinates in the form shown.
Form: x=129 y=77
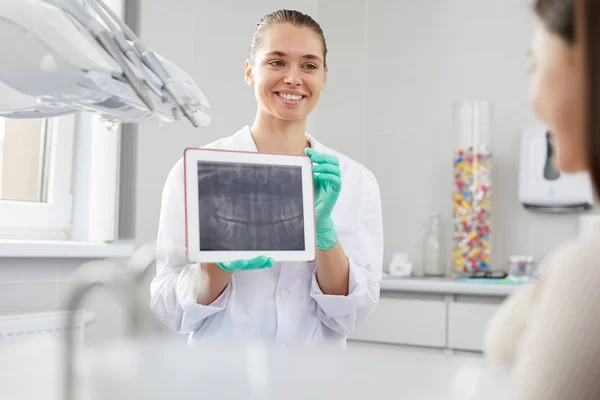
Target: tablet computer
x=241 y=205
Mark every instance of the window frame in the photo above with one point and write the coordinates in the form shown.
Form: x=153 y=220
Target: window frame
x=50 y=219
x=63 y=222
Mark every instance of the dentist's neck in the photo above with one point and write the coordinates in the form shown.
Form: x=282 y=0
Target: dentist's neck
x=273 y=135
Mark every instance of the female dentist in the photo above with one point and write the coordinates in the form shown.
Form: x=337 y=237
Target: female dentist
x=292 y=302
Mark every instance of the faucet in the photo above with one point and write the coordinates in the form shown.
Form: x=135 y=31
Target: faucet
x=125 y=284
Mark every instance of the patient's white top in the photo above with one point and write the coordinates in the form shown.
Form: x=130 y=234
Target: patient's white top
x=283 y=304
x=547 y=334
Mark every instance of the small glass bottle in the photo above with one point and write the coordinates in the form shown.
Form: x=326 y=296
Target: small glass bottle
x=432 y=261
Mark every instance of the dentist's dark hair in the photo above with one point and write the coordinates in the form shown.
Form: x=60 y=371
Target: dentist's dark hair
x=577 y=22
x=292 y=17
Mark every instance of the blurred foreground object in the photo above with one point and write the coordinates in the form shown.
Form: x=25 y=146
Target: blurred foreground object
x=62 y=58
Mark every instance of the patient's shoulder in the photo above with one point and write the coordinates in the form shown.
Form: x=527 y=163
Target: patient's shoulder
x=576 y=259
x=580 y=249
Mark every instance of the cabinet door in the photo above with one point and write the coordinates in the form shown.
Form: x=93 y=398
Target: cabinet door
x=467 y=323
x=405 y=321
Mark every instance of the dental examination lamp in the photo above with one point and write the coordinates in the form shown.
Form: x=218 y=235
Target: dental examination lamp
x=60 y=57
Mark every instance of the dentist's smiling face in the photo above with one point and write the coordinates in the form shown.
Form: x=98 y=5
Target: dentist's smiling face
x=288 y=71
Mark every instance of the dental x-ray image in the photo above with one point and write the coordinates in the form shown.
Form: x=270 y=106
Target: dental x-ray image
x=250 y=207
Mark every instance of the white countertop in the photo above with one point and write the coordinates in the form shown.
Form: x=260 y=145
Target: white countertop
x=445 y=286
x=154 y=368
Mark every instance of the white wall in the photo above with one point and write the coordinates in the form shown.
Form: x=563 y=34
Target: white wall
x=422 y=56
x=32 y=285
x=394 y=69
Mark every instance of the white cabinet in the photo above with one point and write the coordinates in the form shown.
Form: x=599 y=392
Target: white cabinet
x=467 y=323
x=433 y=313
x=405 y=321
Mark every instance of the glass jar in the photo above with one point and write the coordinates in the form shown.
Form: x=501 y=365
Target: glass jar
x=472 y=185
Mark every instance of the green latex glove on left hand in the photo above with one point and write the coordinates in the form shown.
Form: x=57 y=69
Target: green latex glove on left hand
x=247 y=265
x=327 y=184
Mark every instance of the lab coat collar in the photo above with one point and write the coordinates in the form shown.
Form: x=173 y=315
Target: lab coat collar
x=316 y=145
x=245 y=142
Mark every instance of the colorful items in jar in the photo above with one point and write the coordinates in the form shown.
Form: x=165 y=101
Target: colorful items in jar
x=471 y=208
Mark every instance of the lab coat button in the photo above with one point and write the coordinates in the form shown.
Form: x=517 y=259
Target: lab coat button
x=284 y=293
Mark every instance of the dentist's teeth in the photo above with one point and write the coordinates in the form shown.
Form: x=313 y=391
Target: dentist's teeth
x=290 y=96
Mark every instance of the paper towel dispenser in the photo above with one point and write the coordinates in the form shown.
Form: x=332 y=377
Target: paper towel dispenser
x=542 y=187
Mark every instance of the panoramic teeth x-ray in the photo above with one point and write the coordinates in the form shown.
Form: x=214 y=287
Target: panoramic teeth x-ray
x=250 y=207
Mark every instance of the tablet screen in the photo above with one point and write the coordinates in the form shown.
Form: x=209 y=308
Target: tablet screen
x=250 y=207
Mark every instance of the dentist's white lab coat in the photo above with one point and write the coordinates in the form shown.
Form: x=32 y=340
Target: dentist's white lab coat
x=283 y=304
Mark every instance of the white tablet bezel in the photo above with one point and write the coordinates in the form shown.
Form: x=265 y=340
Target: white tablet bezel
x=192 y=225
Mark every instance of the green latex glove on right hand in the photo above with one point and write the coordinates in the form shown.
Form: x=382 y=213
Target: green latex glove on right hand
x=327 y=184
x=247 y=265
